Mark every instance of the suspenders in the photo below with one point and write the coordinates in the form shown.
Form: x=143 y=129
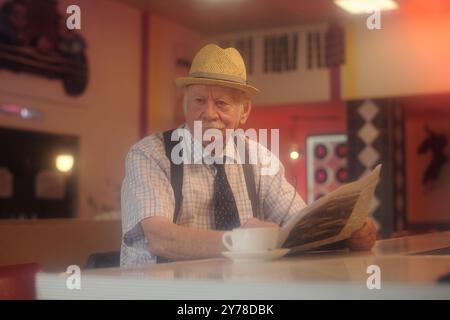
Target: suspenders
x=176 y=180
x=176 y=173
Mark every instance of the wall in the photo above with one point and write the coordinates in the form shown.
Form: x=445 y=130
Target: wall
x=410 y=55
x=168 y=42
x=296 y=122
x=105 y=117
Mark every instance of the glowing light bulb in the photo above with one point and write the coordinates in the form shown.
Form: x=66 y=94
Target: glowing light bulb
x=64 y=162
x=294 y=155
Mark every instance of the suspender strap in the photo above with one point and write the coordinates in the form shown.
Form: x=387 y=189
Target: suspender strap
x=250 y=181
x=176 y=181
x=176 y=173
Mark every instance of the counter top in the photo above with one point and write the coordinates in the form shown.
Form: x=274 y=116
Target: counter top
x=404 y=273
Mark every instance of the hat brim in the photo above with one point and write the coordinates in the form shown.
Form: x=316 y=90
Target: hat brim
x=185 y=81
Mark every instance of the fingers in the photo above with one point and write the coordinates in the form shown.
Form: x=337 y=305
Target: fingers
x=250 y=223
x=362 y=244
x=364 y=238
x=366 y=230
x=256 y=223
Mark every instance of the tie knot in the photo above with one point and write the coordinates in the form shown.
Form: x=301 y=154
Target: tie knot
x=220 y=167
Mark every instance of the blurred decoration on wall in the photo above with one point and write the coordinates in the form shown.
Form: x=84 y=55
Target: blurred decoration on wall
x=326 y=164
x=292 y=65
x=428 y=167
x=49 y=185
x=34 y=39
x=245 y=46
x=435 y=143
x=376 y=135
x=38 y=175
x=315 y=50
x=409 y=135
x=334 y=45
x=280 y=52
x=107 y=209
x=21 y=112
x=324 y=48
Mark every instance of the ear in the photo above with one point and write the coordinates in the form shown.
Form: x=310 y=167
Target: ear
x=246 y=112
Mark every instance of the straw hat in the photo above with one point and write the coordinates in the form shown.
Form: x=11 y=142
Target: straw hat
x=216 y=66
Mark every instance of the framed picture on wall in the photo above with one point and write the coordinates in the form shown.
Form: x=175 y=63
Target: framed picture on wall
x=326 y=164
x=35 y=41
x=39 y=174
x=428 y=170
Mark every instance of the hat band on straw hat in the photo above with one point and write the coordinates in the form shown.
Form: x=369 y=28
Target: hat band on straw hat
x=218 y=76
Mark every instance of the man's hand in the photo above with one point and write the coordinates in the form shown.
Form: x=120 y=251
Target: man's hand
x=364 y=238
x=179 y=242
x=256 y=223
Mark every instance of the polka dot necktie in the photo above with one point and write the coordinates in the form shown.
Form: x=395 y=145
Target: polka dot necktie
x=226 y=214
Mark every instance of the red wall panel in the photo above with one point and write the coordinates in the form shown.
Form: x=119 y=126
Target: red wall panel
x=295 y=123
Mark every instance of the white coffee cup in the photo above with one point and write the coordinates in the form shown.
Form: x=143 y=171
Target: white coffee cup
x=251 y=239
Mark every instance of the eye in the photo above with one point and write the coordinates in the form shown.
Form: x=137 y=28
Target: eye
x=199 y=100
x=221 y=104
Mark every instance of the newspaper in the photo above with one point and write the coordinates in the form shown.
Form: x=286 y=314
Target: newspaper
x=332 y=218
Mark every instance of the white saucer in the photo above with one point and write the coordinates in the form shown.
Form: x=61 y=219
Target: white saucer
x=255 y=255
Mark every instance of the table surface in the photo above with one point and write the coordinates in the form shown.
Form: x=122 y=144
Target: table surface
x=404 y=272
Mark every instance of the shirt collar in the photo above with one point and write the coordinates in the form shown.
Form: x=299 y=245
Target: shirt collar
x=190 y=143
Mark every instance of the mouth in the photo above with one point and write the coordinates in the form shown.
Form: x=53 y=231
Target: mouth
x=218 y=126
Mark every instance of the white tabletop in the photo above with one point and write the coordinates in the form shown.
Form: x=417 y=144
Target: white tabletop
x=332 y=275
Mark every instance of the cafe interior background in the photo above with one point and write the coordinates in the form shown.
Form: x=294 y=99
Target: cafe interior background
x=345 y=95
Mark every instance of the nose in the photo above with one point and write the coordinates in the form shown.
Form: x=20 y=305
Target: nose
x=210 y=112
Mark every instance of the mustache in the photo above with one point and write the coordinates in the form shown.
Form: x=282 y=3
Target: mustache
x=213 y=125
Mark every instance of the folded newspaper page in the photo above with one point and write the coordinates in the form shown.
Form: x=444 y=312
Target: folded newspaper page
x=332 y=218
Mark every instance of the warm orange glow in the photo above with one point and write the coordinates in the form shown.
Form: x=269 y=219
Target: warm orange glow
x=425 y=8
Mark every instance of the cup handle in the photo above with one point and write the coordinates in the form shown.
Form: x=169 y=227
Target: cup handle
x=227 y=241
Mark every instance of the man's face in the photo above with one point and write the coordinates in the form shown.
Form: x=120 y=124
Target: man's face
x=217 y=107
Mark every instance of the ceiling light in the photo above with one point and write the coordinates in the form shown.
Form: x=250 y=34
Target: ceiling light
x=366 y=6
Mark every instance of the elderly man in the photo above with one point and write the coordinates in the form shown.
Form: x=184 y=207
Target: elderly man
x=180 y=211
